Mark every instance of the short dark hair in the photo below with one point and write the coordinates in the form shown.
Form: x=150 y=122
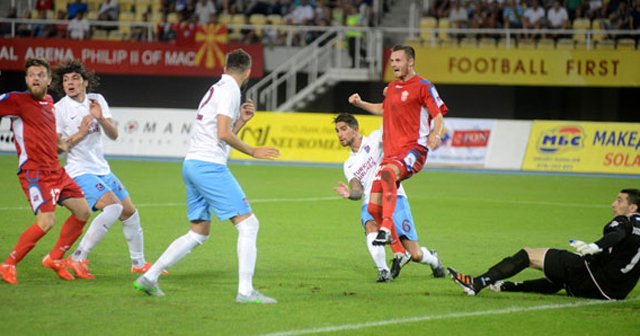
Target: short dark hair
x=633 y=196
x=37 y=62
x=238 y=61
x=411 y=53
x=77 y=67
x=346 y=118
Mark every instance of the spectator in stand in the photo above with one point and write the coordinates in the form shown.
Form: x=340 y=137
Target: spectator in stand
x=108 y=10
x=165 y=31
x=573 y=8
x=534 y=18
x=594 y=9
x=635 y=16
x=338 y=14
x=139 y=33
x=78 y=28
x=204 y=10
x=557 y=17
x=42 y=30
x=186 y=30
x=76 y=7
x=322 y=13
x=61 y=28
x=493 y=18
x=621 y=18
x=258 y=7
x=301 y=15
x=458 y=15
x=512 y=14
x=24 y=29
x=44 y=6
x=281 y=7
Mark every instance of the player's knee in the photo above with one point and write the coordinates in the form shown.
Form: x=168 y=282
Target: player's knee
x=83 y=212
x=249 y=226
x=197 y=237
x=387 y=174
x=127 y=213
x=374 y=209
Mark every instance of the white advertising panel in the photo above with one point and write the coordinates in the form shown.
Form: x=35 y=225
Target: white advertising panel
x=463 y=144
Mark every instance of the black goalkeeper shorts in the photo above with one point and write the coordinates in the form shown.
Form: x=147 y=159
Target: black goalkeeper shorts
x=568 y=270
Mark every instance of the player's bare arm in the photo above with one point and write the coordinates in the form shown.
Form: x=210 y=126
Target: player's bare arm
x=82 y=132
x=106 y=123
x=247 y=111
x=63 y=146
x=373 y=108
x=226 y=134
x=353 y=191
x=435 y=137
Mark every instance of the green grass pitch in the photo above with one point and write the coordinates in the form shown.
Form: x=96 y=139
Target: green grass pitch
x=312 y=258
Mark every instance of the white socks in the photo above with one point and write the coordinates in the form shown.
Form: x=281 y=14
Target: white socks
x=378 y=253
x=174 y=253
x=247 y=252
x=135 y=239
x=98 y=228
x=428 y=258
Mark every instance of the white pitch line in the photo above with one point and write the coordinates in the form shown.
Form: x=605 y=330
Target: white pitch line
x=258 y=200
x=356 y=326
x=561 y=204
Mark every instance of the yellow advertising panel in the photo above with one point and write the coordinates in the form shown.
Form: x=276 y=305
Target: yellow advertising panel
x=613 y=68
x=300 y=137
x=588 y=147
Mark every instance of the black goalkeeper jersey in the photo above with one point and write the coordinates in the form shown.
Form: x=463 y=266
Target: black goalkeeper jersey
x=616 y=269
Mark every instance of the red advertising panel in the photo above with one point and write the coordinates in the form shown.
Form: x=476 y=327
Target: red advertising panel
x=204 y=57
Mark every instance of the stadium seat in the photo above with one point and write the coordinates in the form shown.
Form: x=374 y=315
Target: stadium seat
x=100 y=34
x=61 y=5
x=502 y=43
x=51 y=15
x=258 y=19
x=443 y=26
x=126 y=17
x=605 y=45
x=92 y=15
x=427 y=24
x=580 y=24
x=468 y=42
x=117 y=35
x=565 y=44
x=235 y=33
x=546 y=43
x=224 y=19
x=626 y=44
x=155 y=17
x=598 y=31
x=526 y=44
x=94 y=5
x=173 y=18
x=487 y=42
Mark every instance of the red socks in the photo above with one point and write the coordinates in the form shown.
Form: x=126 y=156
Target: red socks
x=389 y=196
x=71 y=230
x=26 y=242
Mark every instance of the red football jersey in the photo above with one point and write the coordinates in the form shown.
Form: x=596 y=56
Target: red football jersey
x=408 y=109
x=33 y=124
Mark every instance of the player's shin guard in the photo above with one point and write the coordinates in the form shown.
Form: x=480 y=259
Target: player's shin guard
x=134 y=235
x=247 y=253
x=26 y=242
x=179 y=249
x=389 y=196
x=69 y=233
x=97 y=230
x=507 y=268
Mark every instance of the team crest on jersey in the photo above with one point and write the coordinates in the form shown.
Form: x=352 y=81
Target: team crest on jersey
x=4 y=96
x=35 y=197
x=367 y=149
x=404 y=95
x=100 y=186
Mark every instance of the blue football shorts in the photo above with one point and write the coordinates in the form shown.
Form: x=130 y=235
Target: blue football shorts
x=212 y=187
x=95 y=186
x=402 y=219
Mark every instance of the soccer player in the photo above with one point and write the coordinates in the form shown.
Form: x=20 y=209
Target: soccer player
x=607 y=269
x=42 y=178
x=410 y=105
x=82 y=118
x=211 y=186
x=359 y=169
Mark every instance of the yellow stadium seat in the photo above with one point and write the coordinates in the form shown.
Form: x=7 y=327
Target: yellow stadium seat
x=224 y=19
x=155 y=17
x=443 y=25
x=468 y=43
x=99 y=34
x=526 y=44
x=427 y=24
x=546 y=43
x=258 y=19
x=565 y=44
x=173 y=18
x=275 y=19
x=626 y=44
x=92 y=16
x=61 y=5
x=487 y=42
x=502 y=43
x=580 y=24
x=605 y=45
x=126 y=17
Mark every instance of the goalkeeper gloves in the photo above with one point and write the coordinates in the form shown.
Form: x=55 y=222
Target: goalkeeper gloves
x=585 y=249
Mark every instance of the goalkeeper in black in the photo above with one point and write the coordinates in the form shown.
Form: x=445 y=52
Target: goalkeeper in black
x=607 y=269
